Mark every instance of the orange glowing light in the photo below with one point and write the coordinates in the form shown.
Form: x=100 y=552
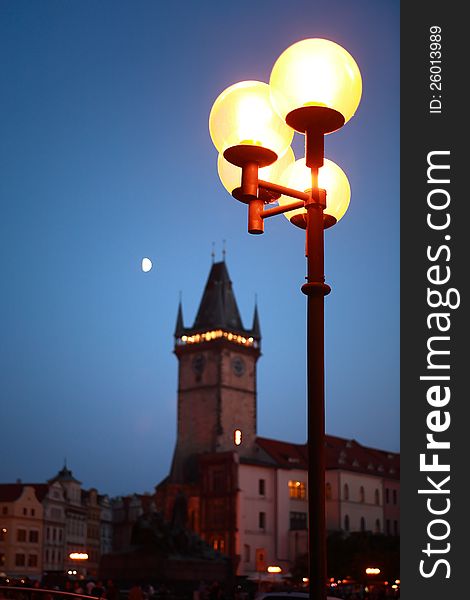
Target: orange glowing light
x=78 y=556
x=274 y=569
x=372 y=571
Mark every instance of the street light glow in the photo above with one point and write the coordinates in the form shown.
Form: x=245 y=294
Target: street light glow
x=330 y=178
x=316 y=72
x=243 y=115
x=78 y=556
x=372 y=571
x=274 y=569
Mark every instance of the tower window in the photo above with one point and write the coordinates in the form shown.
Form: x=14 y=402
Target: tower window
x=237 y=437
x=262 y=487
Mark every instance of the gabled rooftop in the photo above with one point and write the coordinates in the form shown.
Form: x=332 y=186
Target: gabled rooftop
x=341 y=453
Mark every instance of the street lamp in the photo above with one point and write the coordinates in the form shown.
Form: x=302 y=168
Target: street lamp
x=315 y=87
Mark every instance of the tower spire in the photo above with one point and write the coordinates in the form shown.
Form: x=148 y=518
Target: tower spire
x=256 y=329
x=179 y=328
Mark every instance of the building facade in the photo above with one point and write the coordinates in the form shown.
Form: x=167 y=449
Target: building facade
x=43 y=526
x=247 y=495
x=21 y=531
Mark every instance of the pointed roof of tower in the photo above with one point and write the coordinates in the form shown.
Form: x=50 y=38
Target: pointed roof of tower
x=218 y=308
x=256 y=329
x=179 y=327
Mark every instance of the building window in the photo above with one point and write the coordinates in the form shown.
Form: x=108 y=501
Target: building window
x=346 y=523
x=4 y=510
x=25 y=511
x=32 y=560
x=387 y=496
x=47 y=555
x=260 y=559
x=237 y=437
x=33 y=512
x=363 y=524
x=387 y=526
x=262 y=520
x=395 y=527
x=262 y=487
x=218 y=545
x=297 y=490
x=34 y=536
x=362 y=494
x=328 y=491
x=20 y=560
x=377 y=497
x=21 y=535
x=346 y=491
x=247 y=552
x=394 y=496
x=377 y=526
x=2 y=559
x=298 y=520
x=3 y=534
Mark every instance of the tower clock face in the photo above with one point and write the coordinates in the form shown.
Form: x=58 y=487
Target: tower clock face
x=198 y=363
x=238 y=366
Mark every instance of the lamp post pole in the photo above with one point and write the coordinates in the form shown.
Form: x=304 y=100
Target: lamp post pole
x=315 y=87
x=315 y=290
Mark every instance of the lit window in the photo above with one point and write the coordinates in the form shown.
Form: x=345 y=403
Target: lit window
x=297 y=490
x=237 y=437
x=219 y=544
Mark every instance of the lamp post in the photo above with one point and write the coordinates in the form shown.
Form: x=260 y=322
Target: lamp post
x=315 y=87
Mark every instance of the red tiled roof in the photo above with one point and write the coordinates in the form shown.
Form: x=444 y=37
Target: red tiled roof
x=341 y=453
x=9 y=492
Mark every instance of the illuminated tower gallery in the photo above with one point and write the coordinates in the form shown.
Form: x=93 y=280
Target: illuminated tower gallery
x=217 y=359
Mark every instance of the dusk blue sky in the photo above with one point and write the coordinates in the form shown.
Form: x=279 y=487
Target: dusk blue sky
x=105 y=158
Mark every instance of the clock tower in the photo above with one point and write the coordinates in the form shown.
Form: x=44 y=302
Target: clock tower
x=217 y=359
